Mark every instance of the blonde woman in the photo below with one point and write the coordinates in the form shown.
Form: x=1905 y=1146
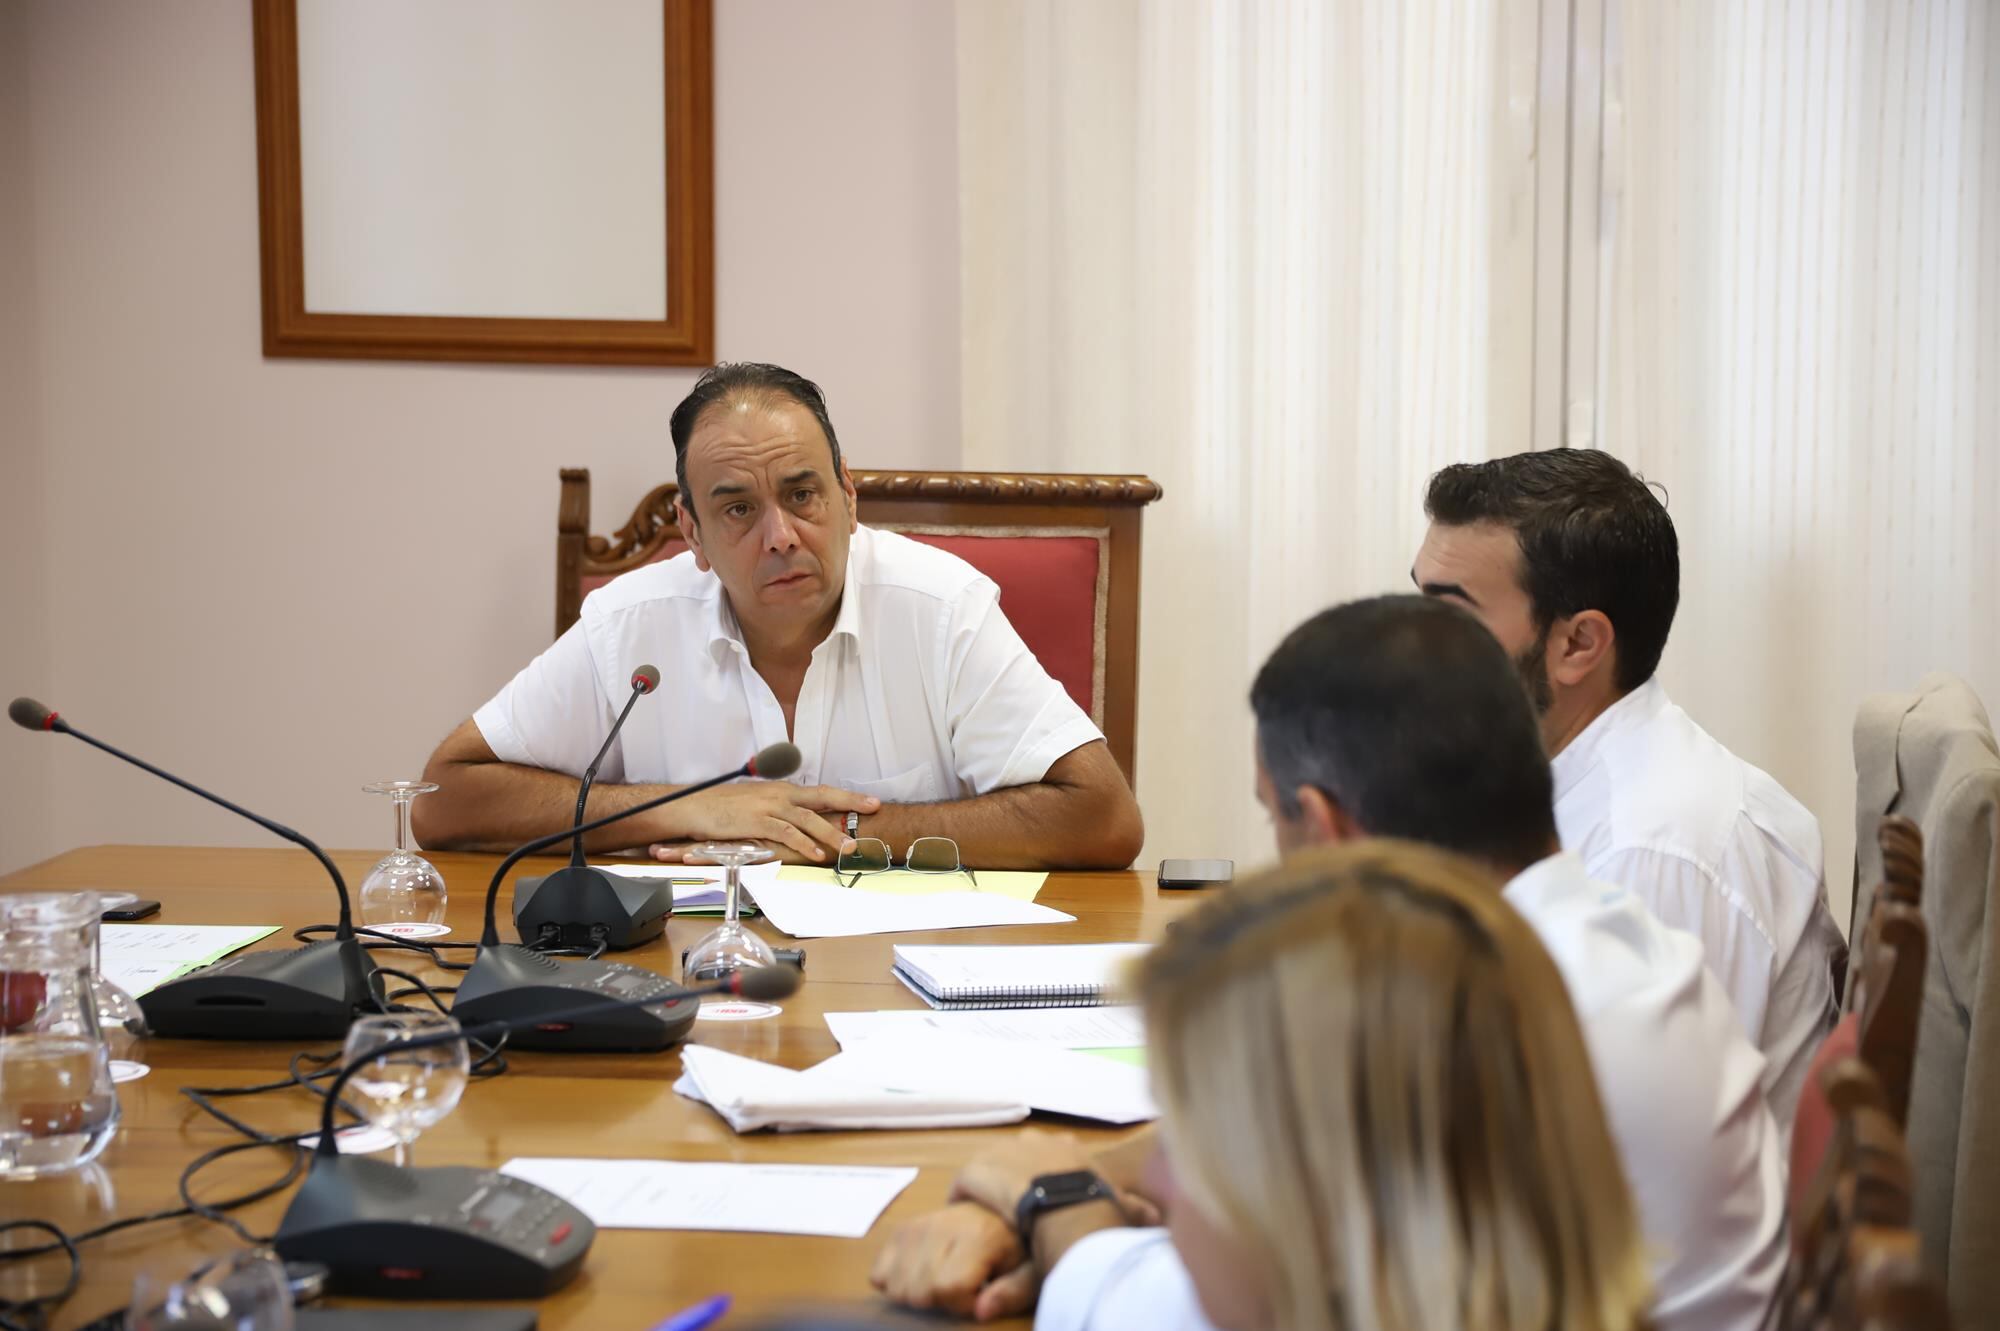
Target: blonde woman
x=1378 y=1112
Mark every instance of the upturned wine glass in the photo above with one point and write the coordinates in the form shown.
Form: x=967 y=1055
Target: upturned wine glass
x=729 y=947
x=404 y=888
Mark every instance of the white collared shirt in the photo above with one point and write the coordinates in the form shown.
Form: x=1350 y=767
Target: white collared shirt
x=1682 y=1090
x=921 y=692
x=1682 y=1094
x=1714 y=846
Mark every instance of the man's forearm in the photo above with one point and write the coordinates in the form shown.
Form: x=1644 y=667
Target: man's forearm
x=1024 y=827
x=1080 y=815
x=497 y=806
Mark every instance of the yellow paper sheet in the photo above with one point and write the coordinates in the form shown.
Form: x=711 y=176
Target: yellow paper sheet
x=902 y=883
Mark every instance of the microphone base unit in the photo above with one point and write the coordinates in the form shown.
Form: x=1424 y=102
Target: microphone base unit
x=512 y=984
x=306 y=993
x=578 y=900
x=449 y=1232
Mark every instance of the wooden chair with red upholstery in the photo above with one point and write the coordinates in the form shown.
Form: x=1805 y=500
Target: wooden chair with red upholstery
x=1063 y=549
x=1885 y=988
x=1857 y=1264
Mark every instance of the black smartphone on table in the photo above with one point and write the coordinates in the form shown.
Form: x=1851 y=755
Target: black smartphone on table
x=133 y=910
x=1195 y=873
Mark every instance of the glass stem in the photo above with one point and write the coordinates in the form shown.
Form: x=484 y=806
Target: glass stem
x=402 y=1154
x=732 y=884
x=402 y=822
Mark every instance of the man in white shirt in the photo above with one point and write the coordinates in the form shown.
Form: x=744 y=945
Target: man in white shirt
x=1573 y=564
x=918 y=709
x=1401 y=717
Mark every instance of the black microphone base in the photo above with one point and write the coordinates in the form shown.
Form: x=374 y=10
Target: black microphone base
x=512 y=984
x=577 y=900
x=307 y=993
x=434 y=1233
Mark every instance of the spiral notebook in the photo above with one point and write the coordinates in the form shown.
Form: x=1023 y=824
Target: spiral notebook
x=1045 y=975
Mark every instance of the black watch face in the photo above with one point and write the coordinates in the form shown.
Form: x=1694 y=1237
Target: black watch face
x=1053 y=1190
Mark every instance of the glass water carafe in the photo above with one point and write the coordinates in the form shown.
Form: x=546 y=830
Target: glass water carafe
x=58 y=1110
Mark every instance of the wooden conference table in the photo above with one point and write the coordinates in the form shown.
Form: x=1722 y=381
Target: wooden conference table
x=605 y=1105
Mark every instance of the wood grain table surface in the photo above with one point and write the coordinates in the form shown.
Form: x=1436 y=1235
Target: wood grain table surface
x=602 y=1105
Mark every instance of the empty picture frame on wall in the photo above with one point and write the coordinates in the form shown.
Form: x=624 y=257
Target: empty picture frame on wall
x=486 y=180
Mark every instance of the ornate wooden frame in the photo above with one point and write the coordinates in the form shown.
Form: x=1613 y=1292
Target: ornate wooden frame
x=685 y=337
x=959 y=500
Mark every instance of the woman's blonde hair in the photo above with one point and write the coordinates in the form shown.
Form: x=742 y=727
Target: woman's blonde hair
x=1371 y=1075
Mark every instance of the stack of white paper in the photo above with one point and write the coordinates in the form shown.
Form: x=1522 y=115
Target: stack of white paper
x=916 y=1082
x=817 y=910
x=140 y=957
x=1049 y=1078
x=837 y=1201
x=1064 y=1027
x=752 y=1096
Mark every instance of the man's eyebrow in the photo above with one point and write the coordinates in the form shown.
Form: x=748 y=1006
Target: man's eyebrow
x=726 y=488
x=806 y=475
x=1450 y=589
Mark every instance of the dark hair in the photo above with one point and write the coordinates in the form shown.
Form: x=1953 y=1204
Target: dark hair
x=744 y=379
x=1593 y=536
x=1407 y=713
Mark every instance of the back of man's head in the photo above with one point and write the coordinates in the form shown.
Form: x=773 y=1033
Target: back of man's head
x=1593 y=536
x=1407 y=714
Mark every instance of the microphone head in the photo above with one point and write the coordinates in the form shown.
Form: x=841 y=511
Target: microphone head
x=645 y=679
x=31 y=715
x=777 y=761
x=764 y=984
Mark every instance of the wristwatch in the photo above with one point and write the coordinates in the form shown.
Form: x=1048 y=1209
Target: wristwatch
x=1054 y=1192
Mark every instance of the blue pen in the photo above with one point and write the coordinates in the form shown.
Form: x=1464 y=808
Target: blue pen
x=704 y=1314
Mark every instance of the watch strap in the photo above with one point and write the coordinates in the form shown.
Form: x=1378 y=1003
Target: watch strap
x=1054 y=1192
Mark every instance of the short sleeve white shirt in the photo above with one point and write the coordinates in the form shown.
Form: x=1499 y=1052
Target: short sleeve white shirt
x=1714 y=846
x=921 y=692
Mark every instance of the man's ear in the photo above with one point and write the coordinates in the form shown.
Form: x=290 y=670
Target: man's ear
x=690 y=532
x=1323 y=820
x=1581 y=645
x=853 y=499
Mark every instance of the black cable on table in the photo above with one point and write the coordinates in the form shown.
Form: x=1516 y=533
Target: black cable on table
x=33 y=1314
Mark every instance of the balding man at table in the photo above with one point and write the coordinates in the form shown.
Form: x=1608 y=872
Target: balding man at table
x=919 y=710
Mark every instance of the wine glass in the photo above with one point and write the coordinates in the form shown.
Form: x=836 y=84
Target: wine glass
x=729 y=947
x=404 y=1090
x=245 y=1291
x=405 y=888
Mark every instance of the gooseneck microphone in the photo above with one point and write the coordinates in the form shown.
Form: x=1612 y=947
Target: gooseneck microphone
x=306 y=993
x=578 y=906
x=450 y=1231
x=518 y=985
x=28 y=713
x=644 y=680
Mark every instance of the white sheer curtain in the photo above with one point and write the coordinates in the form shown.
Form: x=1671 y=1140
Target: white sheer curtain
x=1800 y=336
x=1248 y=249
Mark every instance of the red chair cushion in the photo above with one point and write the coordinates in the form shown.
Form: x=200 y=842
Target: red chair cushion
x=1812 y=1122
x=1048 y=589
